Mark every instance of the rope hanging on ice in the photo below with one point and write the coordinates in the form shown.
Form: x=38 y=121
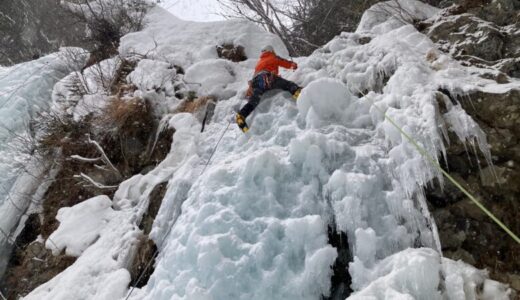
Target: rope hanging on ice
x=436 y=164
x=149 y=263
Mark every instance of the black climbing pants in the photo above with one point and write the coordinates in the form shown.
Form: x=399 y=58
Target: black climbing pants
x=260 y=87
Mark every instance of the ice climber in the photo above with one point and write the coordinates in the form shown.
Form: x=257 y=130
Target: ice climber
x=265 y=79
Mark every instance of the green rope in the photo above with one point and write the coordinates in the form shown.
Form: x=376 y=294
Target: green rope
x=425 y=154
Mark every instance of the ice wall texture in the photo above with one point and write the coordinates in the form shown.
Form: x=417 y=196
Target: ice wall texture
x=25 y=91
x=253 y=225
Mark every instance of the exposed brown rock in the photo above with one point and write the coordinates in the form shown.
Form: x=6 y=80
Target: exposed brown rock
x=31 y=264
x=364 y=40
x=231 y=52
x=143 y=263
x=155 y=201
x=466 y=232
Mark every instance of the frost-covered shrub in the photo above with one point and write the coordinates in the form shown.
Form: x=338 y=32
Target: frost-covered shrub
x=120 y=133
x=127 y=114
x=59 y=132
x=106 y=22
x=130 y=128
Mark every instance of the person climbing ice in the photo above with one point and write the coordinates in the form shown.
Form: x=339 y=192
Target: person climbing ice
x=266 y=78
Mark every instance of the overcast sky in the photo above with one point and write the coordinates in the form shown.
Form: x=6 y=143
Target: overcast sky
x=194 y=10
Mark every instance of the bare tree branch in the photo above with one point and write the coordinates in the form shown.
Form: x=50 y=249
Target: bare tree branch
x=88 y=181
x=303 y=25
x=85 y=159
x=104 y=157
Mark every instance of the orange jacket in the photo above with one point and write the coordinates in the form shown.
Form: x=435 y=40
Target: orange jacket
x=270 y=62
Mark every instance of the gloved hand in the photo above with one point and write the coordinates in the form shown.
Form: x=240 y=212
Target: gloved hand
x=294 y=66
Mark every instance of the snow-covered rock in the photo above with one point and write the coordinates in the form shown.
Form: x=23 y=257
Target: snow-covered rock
x=153 y=75
x=467 y=35
x=80 y=226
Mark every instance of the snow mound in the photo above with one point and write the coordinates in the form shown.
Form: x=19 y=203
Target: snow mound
x=418 y=273
x=386 y=16
x=184 y=43
x=80 y=93
x=80 y=226
x=106 y=241
x=153 y=75
x=325 y=101
x=466 y=282
x=210 y=77
x=409 y=274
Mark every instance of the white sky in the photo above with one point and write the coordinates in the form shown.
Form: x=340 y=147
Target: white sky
x=194 y=10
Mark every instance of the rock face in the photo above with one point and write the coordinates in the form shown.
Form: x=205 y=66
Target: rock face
x=474 y=32
x=468 y=35
x=466 y=232
x=479 y=42
x=29 y=29
x=500 y=12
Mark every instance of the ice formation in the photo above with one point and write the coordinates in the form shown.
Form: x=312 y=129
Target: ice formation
x=25 y=91
x=253 y=224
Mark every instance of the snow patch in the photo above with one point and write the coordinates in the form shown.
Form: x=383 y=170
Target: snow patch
x=153 y=75
x=80 y=226
x=210 y=77
x=184 y=43
x=409 y=274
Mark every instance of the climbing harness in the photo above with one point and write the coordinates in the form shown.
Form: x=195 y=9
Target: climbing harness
x=263 y=80
x=436 y=164
x=171 y=225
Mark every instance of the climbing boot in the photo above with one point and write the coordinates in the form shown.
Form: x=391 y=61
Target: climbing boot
x=296 y=94
x=241 y=122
